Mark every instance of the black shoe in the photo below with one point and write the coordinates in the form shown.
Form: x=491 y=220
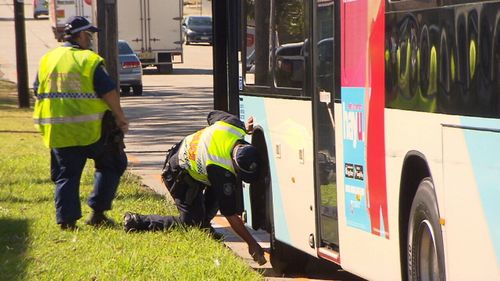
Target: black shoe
x=131 y=222
x=68 y=225
x=215 y=234
x=99 y=219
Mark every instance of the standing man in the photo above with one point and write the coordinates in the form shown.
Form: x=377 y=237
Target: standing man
x=73 y=92
x=201 y=174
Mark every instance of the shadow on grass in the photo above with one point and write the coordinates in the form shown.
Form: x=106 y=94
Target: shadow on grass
x=14 y=240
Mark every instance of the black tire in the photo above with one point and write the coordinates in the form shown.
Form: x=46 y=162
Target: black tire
x=125 y=90
x=425 y=239
x=137 y=90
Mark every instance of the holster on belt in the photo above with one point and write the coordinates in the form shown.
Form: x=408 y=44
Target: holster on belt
x=177 y=180
x=112 y=134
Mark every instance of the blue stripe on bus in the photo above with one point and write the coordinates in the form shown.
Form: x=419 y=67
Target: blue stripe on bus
x=257 y=104
x=484 y=150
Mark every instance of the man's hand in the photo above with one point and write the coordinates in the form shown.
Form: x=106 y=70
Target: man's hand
x=254 y=249
x=257 y=254
x=122 y=123
x=249 y=125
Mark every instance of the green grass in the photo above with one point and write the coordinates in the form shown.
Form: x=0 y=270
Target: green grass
x=32 y=247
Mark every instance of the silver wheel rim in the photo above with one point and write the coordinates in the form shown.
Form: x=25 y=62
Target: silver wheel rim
x=428 y=262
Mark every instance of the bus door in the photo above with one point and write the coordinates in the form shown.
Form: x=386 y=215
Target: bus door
x=324 y=124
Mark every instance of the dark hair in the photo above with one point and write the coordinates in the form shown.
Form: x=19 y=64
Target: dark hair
x=71 y=37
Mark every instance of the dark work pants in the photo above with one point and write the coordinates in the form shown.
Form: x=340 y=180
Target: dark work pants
x=67 y=165
x=199 y=212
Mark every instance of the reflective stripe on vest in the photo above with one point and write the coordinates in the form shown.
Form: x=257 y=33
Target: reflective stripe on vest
x=67 y=110
x=210 y=146
x=69 y=119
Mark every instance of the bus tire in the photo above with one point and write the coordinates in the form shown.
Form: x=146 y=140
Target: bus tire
x=425 y=241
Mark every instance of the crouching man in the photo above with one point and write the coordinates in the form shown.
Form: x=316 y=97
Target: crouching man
x=201 y=174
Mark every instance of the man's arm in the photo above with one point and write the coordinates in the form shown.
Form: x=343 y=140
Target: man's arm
x=106 y=89
x=224 y=185
x=254 y=249
x=112 y=99
x=219 y=115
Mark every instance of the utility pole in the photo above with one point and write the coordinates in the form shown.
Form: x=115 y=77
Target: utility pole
x=21 y=58
x=107 y=39
x=225 y=14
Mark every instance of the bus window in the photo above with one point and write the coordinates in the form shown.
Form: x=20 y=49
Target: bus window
x=290 y=44
x=257 y=42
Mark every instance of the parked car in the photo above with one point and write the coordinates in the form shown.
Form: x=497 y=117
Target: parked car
x=197 y=29
x=40 y=7
x=130 y=69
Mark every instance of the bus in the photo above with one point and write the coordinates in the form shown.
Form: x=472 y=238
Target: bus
x=378 y=124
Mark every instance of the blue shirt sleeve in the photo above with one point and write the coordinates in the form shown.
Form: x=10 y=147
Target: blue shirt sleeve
x=36 y=83
x=102 y=82
x=224 y=185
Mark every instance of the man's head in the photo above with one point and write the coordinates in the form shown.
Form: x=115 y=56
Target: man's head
x=247 y=160
x=78 y=30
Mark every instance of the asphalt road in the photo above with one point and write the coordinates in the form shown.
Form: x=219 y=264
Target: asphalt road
x=171 y=107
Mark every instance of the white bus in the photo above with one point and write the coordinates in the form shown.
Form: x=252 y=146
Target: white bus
x=379 y=125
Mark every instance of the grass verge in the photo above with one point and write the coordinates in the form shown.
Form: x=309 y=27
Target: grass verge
x=32 y=247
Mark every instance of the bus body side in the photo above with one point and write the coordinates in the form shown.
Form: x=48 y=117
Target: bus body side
x=418 y=106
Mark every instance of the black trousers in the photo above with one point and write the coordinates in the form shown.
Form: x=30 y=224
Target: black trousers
x=197 y=204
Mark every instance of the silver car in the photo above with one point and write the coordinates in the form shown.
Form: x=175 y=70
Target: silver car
x=130 y=69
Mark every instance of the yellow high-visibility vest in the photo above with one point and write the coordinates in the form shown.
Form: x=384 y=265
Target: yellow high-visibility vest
x=67 y=110
x=212 y=145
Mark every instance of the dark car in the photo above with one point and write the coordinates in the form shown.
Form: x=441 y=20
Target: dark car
x=197 y=29
x=130 y=69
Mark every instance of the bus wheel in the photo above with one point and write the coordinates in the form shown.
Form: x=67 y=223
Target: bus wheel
x=425 y=240
x=286 y=259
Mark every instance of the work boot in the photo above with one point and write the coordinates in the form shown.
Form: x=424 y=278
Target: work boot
x=99 y=219
x=68 y=225
x=131 y=222
x=215 y=234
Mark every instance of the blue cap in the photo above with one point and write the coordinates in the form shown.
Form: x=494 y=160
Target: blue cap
x=248 y=162
x=77 y=23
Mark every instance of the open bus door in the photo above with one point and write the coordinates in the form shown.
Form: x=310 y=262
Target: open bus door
x=324 y=81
